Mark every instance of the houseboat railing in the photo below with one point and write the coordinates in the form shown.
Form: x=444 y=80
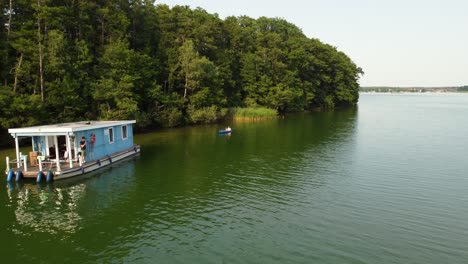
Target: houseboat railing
x=23 y=163
x=23 y=160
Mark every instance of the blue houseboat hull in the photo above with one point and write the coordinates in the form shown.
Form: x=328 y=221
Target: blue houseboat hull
x=97 y=164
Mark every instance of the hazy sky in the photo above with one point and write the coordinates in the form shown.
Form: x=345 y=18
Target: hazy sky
x=396 y=42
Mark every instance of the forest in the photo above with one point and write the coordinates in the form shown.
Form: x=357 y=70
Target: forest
x=72 y=60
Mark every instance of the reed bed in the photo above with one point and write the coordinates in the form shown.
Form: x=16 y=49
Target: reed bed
x=252 y=114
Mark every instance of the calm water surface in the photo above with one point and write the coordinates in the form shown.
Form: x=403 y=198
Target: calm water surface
x=384 y=183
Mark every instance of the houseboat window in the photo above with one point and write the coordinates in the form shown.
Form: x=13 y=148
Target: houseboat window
x=124 y=132
x=111 y=135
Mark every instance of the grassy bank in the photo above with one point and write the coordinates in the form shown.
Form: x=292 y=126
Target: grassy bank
x=252 y=114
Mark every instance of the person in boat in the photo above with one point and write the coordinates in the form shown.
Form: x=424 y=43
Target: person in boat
x=83 y=149
x=228 y=128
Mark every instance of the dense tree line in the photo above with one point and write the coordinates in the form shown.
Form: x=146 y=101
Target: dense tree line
x=67 y=60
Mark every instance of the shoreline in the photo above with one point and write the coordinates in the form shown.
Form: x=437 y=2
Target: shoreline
x=418 y=93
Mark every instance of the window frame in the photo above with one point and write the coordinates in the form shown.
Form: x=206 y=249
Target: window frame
x=110 y=133
x=124 y=135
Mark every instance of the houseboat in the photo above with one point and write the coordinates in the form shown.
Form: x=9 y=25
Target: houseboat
x=70 y=149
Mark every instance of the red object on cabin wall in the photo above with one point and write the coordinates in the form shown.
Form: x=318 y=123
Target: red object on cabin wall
x=93 y=138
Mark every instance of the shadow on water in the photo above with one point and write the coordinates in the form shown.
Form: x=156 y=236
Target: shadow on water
x=272 y=145
x=189 y=154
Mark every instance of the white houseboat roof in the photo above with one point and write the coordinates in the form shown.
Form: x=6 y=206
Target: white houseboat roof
x=65 y=128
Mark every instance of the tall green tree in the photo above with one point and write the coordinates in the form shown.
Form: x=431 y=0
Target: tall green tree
x=65 y=60
x=114 y=89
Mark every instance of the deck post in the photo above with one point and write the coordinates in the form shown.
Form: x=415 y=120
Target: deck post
x=8 y=163
x=47 y=145
x=69 y=151
x=25 y=163
x=39 y=162
x=18 y=161
x=57 y=157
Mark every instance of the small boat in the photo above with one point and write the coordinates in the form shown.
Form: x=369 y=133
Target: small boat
x=224 y=131
x=56 y=149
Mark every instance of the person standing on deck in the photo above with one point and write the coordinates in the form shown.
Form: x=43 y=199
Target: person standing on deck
x=83 y=149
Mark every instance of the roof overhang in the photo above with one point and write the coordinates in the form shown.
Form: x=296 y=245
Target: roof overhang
x=65 y=128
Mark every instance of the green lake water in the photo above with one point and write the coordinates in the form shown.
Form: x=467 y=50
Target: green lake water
x=386 y=182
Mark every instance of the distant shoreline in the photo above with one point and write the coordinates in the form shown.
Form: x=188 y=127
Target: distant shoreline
x=420 y=93
x=385 y=89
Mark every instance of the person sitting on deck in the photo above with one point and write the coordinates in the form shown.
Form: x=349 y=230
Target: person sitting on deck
x=228 y=128
x=62 y=151
x=83 y=149
x=51 y=152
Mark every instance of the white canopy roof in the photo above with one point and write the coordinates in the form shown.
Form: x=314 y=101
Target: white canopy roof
x=65 y=128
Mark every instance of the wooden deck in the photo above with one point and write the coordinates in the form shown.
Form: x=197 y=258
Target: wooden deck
x=46 y=166
x=67 y=172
